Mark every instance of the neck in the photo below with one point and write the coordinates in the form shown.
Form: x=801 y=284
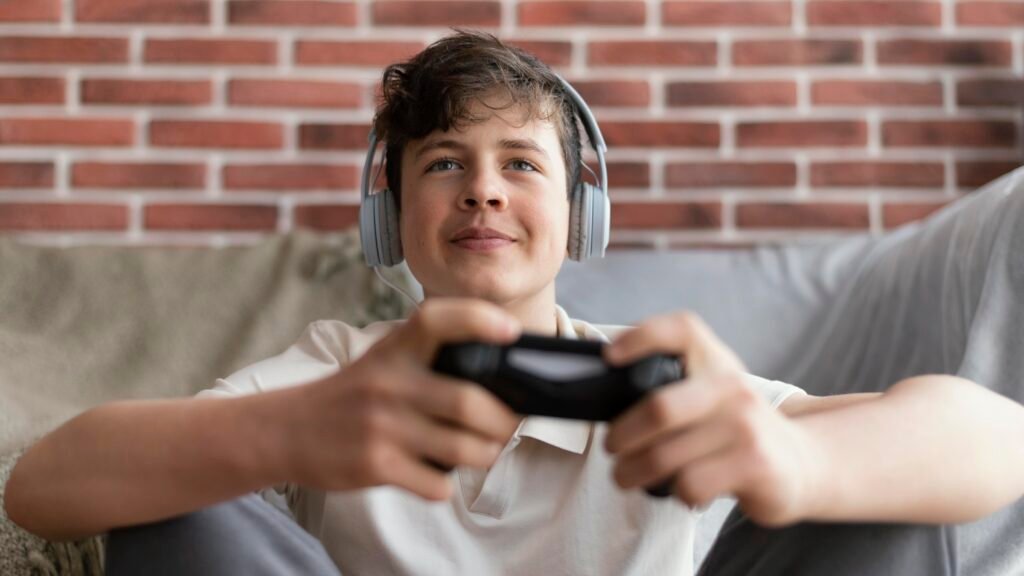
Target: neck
x=536 y=312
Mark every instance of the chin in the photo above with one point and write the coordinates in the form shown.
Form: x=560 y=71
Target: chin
x=484 y=287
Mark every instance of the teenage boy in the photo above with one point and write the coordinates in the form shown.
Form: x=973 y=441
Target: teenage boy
x=483 y=151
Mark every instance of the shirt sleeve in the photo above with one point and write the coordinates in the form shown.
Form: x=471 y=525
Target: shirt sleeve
x=773 y=391
x=311 y=357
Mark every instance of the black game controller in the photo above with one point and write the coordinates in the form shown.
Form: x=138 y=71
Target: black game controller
x=545 y=376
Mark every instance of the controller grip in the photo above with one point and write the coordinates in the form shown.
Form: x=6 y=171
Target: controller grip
x=655 y=372
x=663 y=490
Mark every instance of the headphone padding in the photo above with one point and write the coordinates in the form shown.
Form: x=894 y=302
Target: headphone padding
x=387 y=223
x=579 y=222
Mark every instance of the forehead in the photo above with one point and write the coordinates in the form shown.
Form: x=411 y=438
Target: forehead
x=494 y=121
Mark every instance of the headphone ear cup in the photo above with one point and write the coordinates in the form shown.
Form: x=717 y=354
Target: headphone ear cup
x=379 y=231
x=589 y=223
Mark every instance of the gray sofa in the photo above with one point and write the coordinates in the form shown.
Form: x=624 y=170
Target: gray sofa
x=945 y=295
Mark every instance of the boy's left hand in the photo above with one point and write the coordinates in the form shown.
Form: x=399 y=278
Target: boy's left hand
x=711 y=431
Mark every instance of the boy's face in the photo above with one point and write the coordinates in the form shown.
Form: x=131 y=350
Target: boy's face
x=505 y=174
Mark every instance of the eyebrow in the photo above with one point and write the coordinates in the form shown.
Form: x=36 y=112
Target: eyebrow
x=506 y=143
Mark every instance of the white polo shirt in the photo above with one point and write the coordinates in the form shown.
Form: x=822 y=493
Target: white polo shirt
x=547 y=506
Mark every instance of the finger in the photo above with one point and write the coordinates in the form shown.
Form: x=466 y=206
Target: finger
x=667 y=410
x=680 y=333
x=404 y=470
x=655 y=463
x=717 y=475
x=440 y=443
x=449 y=320
x=464 y=404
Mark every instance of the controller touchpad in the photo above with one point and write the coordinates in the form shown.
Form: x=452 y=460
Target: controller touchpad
x=554 y=365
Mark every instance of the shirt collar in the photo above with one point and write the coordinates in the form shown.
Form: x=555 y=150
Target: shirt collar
x=569 y=435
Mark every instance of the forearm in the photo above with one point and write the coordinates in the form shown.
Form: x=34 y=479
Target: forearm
x=932 y=449
x=141 y=461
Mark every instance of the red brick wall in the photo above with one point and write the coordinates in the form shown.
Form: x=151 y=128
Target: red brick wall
x=729 y=122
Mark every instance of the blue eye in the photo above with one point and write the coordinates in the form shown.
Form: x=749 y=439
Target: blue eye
x=520 y=163
x=442 y=165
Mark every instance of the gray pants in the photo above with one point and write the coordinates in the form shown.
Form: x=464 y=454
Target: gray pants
x=245 y=536
x=809 y=548
x=249 y=536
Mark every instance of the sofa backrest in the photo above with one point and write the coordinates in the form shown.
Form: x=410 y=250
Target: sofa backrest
x=86 y=325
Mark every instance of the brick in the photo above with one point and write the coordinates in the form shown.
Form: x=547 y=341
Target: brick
x=666 y=215
x=333 y=136
x=974 y=174
x=668 y=134
x=30 y=11
x=133 y=175
x=732 y=93
x=209 y=51
x=551 y=52
x=26 y=174
x=810 y=215
x=294 y=93
x=66 y=132
x=228 y=217
x=722 y=13
x=287 y=177
x=991 y=92
x=652 y=53
x=897 y=214
x=143 y=11
x=625 y=93
x=627 y=174
x=31 y=90
x=27 y=216
x=146 y=92
x=886 y=174
x=615 y=245
x=730 y=175
x=216 y=134
x=876 y=93
x=943 y=133
x=63 y=49
x=372 y=53
x=878 y=13
x=808 y=52
x=944 y=52
x=977 y=13
x=435 y=13
x=326 y=216
x=582 y=13
x=798 y=133
x=291 y=13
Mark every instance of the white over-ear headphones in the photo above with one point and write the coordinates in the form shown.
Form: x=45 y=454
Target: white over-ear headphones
x=589 y=207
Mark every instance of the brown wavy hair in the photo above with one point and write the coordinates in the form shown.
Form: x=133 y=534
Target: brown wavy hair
x=435 y=88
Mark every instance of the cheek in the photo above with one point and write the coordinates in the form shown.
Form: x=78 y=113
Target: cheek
x=554 y=220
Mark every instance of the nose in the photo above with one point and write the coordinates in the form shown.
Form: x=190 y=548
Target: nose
x=484 y=188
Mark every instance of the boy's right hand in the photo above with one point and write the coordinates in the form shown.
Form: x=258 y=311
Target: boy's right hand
x=385 y=417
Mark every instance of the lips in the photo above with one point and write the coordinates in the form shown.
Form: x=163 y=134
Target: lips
x=479 y=233
x=480 y=239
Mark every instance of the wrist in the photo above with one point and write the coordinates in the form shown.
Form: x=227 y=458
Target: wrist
x=816 y=483
x=269 y=423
